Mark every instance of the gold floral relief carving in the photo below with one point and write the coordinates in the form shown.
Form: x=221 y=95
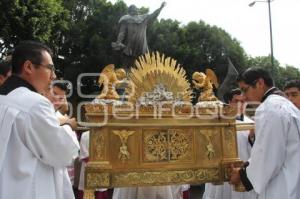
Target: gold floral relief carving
x=156 y=146
x=180 y=145
x=210 y=150
x=207 y=174
x=136 y=178
x=96 y=180
x=99 y=146
x=123 y=135
x=171 y=145
x=165 y=177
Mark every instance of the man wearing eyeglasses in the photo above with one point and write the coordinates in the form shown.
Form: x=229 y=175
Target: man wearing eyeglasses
x=273 y=168
x=292 y=91
x=34 y=148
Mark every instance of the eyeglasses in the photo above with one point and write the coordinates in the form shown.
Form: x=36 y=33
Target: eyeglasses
x=49 y=66
x=245 y=89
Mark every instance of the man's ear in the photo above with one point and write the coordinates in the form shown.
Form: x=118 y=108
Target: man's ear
x=28 y=67
x=260 y=83
x=2 y=78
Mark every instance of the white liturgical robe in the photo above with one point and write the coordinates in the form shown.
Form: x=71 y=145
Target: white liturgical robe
x=34 y=148
x=274 y=167
x=151 y=192
x=84 y=153
x=67 y=184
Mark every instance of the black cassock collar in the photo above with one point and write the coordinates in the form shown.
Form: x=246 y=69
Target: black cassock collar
x=14 y=82
x=271 y=91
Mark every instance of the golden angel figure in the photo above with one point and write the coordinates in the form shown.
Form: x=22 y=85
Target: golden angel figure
x=205 y=81
x=110 y=78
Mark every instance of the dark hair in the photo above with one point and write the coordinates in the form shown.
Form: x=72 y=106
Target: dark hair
x=292 y=83
x=27 y=50
x=62 y=85
x=5 y=67
x=229 y=95
x=251 y=75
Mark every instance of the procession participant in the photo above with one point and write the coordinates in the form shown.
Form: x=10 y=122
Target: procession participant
x=234 y=99
x=34 y=147
x=59 y=91
x=272 y=170
x=57 y=96
x=292 y=91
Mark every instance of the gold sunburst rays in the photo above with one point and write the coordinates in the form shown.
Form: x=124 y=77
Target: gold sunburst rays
x=154 y=69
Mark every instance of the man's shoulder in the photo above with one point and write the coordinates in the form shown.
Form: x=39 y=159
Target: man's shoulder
x=278 y=104
x=24 y=99
x=275 y=100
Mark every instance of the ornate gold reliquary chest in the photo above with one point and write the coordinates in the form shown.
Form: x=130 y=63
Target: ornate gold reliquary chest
x=157 y=137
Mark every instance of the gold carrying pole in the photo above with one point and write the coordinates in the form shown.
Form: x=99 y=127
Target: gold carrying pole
x=244 y=126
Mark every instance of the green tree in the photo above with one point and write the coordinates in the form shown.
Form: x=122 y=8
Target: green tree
x=197 y=46
x=42 y=20
x=291 y=72
x=87 y=44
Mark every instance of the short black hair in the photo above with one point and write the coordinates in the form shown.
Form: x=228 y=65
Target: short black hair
x=5 y=67
x=229 y=95
x=251 y=75
x=292 y=83
x=27 y=50
x=62 y=85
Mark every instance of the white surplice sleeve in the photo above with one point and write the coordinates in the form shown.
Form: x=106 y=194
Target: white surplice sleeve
x=84 y=145
x=50 y=142
x=269 y=151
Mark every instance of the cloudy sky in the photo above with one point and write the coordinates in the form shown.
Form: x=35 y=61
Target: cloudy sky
x=249 y=25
